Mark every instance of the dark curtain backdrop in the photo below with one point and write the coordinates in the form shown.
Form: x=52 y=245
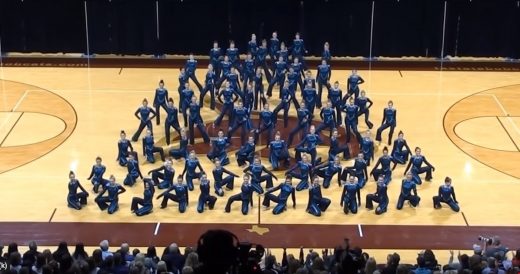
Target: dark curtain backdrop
x=129 y=27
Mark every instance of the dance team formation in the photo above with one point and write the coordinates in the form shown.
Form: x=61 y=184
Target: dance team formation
x=239 y=87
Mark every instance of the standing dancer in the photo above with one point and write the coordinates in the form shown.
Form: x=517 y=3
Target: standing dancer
x=172 y=120
x=389 y=121
x=159 y=100
x=364 y=103
x=196 y=119
x=353 y=82
x=143 y=115
x=191 y=67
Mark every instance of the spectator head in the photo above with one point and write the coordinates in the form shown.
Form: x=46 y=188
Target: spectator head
x=13 y=247
x=477 y=249
x=104 y=245
x=173 y=248
x=187 y=270
x=139 y=258
x=48 y=255
x=421 y=261
x=192 y=260
x=151 y=252
x=136 y=251
x=161 y=267
x=491 y=262
x=370 y=266
x=15 y=259
x=218 y=250
x=270 y=261
x=125 y=248
x=97 y=256
x=33 y=246
x=317 y=264
x=188 y=250
x=402 y=269
x=464 y=261
x=496 y=240
x=40 y=261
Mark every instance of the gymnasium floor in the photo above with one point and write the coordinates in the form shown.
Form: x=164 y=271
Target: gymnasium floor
x=56 y=119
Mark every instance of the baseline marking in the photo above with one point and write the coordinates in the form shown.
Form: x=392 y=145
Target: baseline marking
x=157 y=228
x=465 y=220
x=52 y=216
x=360 y=230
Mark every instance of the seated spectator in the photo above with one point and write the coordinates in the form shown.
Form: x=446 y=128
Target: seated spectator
x=103 y=245
x=80 y=253
x=421 y=266
x=15 y=260
x=392 y=261
x=492 y=267
x=370 y=266
x=29 y=257
x=516 y=259
x=173 y=258
x=60 y=253
x=125 y=253
x=496 y=247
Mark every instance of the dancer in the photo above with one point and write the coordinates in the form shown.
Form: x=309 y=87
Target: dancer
x=166 y=172
x=96 y=175
x=245 y=195
x=149 y=148
x=385 y=161
x=124 y=148
x=209 y=86
x=351 y=119
x=205 y=198
x=308 y=145
x=145 y=203
x=327 y=170
x=416 y=163
x=111 y=201
x=359 y=170
x=172 y=120
x=389 y=121
x=143 y=115
x=366 y=146
x=246 y=153
x=256 y=170
x=335 y=148
x=219 y=147
x=364 y=103
x=76 y=200
x=182 y=151
x=196 y=119
x=159 y=100
x=323 y=78
x=304 y=120
x=353 y=82
x=180 y=196
x=286 y=190
x=218 y=174
x=317 y=203
x=446 y=195
x=304 y=174
x=266 y=122
x=348 y=196
x=133 y=171
x=408 y=192
x=380 y=197
x=190 y=167
x=191 y=67
x=400 y=150
x=278 y=152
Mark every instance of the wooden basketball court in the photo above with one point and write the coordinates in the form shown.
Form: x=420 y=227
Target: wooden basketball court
x=53 y=120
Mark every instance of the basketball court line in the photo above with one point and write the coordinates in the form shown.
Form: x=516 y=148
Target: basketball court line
x=10 y=130
x=507 y=132
x=20 y=100
x=506 y=114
